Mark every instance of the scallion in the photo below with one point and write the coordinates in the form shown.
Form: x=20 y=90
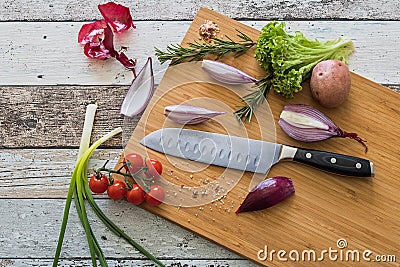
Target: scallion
x=79 y=189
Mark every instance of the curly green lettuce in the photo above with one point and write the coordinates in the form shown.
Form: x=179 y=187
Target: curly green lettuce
x=290 y=58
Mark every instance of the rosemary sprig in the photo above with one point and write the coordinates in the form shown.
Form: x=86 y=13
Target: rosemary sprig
x=255 y=98
x=197 y=51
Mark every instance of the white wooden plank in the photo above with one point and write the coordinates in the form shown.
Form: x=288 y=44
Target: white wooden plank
x=33 y=185
x=45 y=53
x=173 y=10
x=118 y=263
x=45 y=173
x=33 y=226
x=52 y=116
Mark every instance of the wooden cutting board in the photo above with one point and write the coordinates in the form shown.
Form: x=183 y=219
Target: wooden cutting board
x=365 y=213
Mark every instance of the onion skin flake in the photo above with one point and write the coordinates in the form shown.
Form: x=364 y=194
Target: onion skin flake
x=98 y=37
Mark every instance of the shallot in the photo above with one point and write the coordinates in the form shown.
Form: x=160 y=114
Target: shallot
x=267 y=194
x=225 y=73
x=185 y=114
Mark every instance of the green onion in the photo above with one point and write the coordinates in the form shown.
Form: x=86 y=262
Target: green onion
x=79 y=189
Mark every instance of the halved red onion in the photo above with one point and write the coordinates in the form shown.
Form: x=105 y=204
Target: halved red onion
x=140 y=91
x=118 y=16
x=186 y=114
x=307 y=124
x=267 y=194
x=225 y=73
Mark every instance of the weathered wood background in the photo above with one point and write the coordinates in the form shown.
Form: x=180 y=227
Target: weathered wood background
x=46 y=82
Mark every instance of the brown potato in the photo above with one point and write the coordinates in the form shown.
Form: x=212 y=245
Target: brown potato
x=330 y=83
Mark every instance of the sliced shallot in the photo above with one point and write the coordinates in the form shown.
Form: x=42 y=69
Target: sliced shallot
x=185 y=114
x=140 y=91
x=267 y=194
x=307 y=124
x=225 y=73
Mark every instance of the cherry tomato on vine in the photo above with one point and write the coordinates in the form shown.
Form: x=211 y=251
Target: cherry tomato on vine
x=156 y=195
x=154 y=168
x=117 y=190
x=98 y=183
x=135 y=195
x=134 y=161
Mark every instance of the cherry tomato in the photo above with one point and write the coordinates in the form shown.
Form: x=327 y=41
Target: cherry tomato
x=156 y=195
x=98 y=183
x=155 y=168
x=117 y=190
x=134 y=162
x=135 y=195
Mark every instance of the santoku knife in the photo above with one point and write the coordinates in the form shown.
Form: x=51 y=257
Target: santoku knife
x=248 y=154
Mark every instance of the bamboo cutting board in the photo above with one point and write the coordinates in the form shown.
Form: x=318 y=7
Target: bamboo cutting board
x=327 y=210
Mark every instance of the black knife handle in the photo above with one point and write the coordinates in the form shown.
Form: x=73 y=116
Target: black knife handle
x=335 y=163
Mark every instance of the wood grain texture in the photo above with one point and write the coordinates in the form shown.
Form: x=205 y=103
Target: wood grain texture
x=53 y=116
x=118 y=263
x=159 y=236
x=365 y=211
x=39 y=49
x=34 y=184
x=43 y=173
x=185 y=10
x=52 y=56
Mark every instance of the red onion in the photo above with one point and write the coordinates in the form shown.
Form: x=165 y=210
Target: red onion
x=267 y=194
x=140 y=91
x=185 y=114
x=307 y=124
x=225 y=73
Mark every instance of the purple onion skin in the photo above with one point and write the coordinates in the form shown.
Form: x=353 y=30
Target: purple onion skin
x=233 y=75
x=267 y=194
x=313 y=134
x=185 y=114
x=307 y=134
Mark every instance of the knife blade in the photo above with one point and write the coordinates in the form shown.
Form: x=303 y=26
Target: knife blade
x=248 y=154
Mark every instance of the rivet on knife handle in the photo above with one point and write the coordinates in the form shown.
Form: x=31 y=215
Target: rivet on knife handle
x=335 y=163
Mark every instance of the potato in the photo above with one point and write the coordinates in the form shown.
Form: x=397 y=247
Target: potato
x=330 y=83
